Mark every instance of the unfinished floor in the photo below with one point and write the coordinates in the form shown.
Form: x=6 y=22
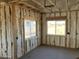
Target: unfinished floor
x=44 y=52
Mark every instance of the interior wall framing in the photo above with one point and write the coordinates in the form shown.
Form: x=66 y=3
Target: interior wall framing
x=12 y=40
x=71 y=39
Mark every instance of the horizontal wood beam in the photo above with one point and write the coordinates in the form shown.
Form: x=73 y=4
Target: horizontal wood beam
x=29 y=5
x=49 y=6
x=38 y=3
x=41 y=5
x=24 y=3
x=60 y=11
x=51 y=2
x=56 y=17
x=74 y=4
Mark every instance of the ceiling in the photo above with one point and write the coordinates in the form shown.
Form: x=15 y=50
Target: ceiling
x=58 y=5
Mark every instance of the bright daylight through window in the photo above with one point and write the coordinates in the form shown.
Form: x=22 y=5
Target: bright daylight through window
x=30 y=28
x=56 y=27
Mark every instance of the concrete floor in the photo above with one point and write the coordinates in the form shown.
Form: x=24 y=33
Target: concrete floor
x=44 y=52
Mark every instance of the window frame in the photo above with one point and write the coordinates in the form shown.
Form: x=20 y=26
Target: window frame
x=30 y=34
x=57 y=18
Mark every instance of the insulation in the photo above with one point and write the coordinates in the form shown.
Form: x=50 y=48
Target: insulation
x=12 y=39
x=44 y=30
x=73 y=28
x=78 y=30
x=70 y=40
x=5 y=32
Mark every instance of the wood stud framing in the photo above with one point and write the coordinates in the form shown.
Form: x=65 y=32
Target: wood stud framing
x=69 y=41
x=16 y=22
x=76 y=29
x=11 y=22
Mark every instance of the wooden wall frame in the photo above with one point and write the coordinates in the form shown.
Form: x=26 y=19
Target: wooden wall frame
x=56 y=18
x=60 y=18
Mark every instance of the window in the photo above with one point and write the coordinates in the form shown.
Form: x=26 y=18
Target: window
x=30 y=28
x=56 y=27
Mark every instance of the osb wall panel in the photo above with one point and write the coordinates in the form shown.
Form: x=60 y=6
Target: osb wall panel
x=71 y=39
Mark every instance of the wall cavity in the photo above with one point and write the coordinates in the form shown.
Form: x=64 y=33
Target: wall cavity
x=71 y=39
x=12 y=39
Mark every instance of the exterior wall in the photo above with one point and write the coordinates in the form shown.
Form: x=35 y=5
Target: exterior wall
x=71 y=40
x=35 y=41
x=12 y=38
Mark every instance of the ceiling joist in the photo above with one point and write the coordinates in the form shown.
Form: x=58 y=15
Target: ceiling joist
x=38 y=3
x=74 y=4
x=55 y=5
x=51 y=4
x=25 y=4
x=41 y=5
